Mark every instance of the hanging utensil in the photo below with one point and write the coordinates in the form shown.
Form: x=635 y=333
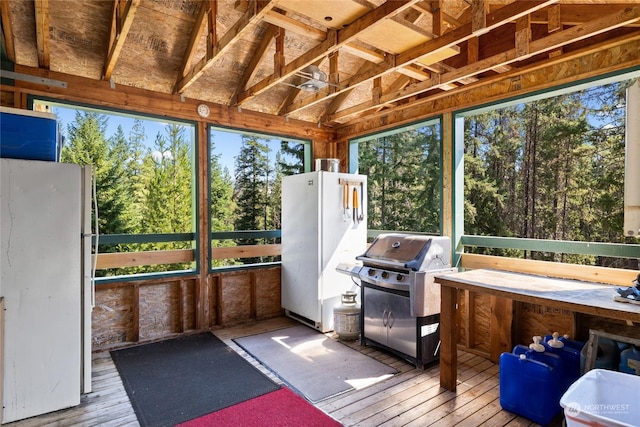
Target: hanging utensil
x=355 y=205
x=345 y=202
x=361 y=205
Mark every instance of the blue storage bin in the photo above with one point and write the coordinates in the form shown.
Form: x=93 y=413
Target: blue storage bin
x=530 y=388
x=28 y=135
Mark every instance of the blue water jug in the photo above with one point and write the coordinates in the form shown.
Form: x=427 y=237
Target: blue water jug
x=550 y=359
x=537 y=351
x=568 y=342
x=630 y=361
x=570 y=358
x=529 y=388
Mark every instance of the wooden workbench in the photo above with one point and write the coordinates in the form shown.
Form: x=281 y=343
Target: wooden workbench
x=576 y=296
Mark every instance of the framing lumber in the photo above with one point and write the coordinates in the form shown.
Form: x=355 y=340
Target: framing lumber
x=42 y=33
x=572 y=14
x=610 y=56
x=7 y=30
x=334 y=41
x=203 y=19
x=548 y=43
x=99 y=93
x=256 y=59
x=253 y=15
x=283 y=21
x=121 y=19
x=394 y=62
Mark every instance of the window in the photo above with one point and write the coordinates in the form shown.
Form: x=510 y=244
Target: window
x=145 y=184
x=551 y=168
x=403 y=167
x=245 y=173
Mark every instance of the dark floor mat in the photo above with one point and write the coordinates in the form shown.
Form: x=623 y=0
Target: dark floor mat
x=173 y=381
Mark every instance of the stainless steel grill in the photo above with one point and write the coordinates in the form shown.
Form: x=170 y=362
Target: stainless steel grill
x=400 y=303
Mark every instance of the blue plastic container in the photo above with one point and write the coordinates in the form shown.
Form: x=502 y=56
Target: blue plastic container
x=550 y=359
x=570 y=360
x=530 y=388
x=28 y=135
x=578 y=345
x=630 y=361
x=607 y=355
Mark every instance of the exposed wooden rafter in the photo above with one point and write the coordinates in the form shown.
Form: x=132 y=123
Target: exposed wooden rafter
x=548 y=43
x=42 y=33
x=254 y=14
x=206 y=18
x=379 y=56
x=334 y=41
x=393 y=63
x=256 y=59
x=122 y=16
x=7 y=31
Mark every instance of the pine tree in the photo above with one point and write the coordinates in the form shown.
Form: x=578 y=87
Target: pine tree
x=167 y=177
x=251 y=192
x=221 y=203
x=403 y=180
x=88 y=146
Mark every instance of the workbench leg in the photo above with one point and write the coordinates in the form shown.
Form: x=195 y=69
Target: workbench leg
x=448 y=338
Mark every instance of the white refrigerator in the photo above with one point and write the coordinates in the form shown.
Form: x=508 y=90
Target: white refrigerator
x=46 y=285
x=318 y=233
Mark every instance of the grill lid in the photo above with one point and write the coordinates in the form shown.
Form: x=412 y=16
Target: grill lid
x=408 y=252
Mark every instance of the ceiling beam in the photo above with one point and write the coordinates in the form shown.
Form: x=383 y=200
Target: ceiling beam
x=334 y=41
x=283 y=21
x=254 y=14
x=392 y=63
x=596 y=60
x=122 y=16
x=42 y=33
x=575 y=14
x=545 y=44
x=7 y=31
x=502 y=16
x=257 y=57
x=205 y=13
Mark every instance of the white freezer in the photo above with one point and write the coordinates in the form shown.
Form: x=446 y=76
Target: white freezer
x=316 y=237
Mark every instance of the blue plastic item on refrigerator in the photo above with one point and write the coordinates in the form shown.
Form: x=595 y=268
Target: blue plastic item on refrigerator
x=28 y=135
x=530 y=388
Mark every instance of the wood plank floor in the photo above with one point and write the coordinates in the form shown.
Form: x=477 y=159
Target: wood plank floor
x=412 y=397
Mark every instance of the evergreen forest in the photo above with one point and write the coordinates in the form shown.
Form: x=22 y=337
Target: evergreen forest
x=150 y=189
x=548 y=169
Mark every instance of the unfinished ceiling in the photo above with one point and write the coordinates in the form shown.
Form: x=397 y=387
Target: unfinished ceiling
x=331 y=62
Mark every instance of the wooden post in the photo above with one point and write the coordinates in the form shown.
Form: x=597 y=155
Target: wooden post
x=202 y=293
x=448 y=338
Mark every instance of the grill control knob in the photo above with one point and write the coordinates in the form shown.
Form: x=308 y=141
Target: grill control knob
x=371 y=272
x=385 y=274
x=400 y=278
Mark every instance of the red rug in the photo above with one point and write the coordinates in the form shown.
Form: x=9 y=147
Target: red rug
x=280 y=408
